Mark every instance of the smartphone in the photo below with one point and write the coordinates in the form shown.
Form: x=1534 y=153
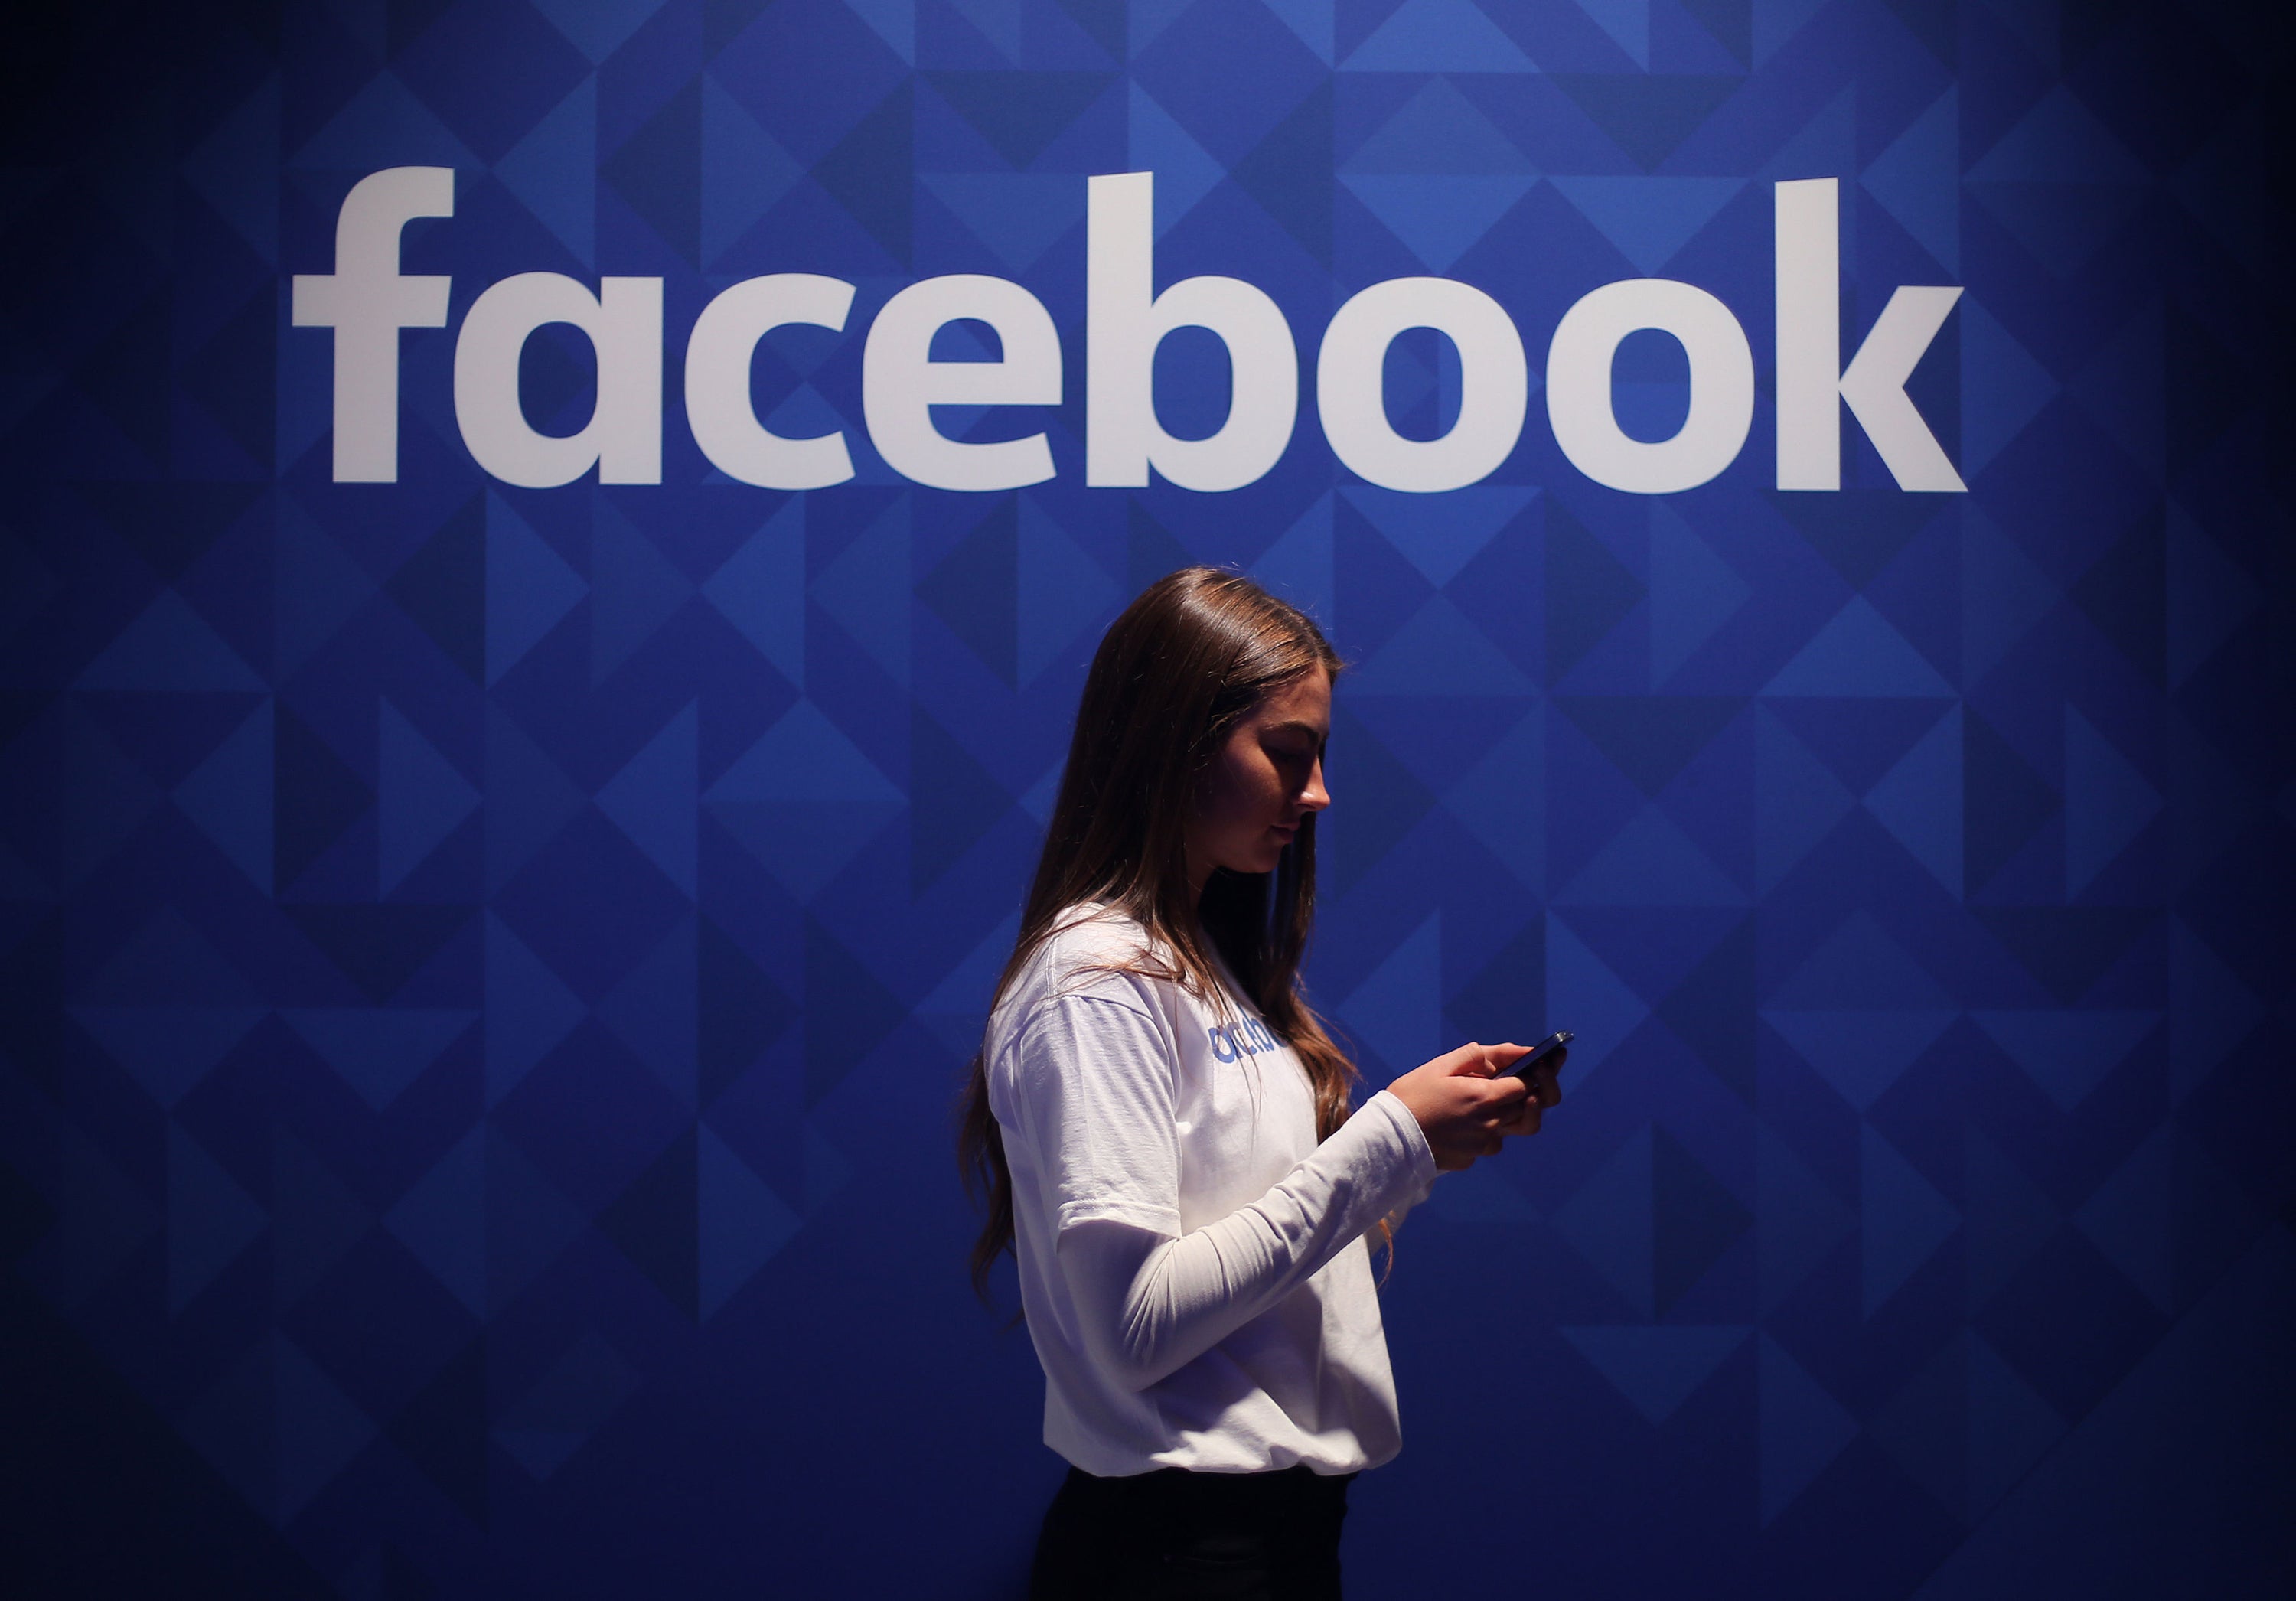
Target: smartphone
x=1554 y=1045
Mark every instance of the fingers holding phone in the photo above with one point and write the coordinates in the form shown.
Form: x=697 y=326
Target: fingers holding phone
x=1539 y=1068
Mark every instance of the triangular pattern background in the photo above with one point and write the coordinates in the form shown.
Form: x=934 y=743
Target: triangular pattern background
x=488 y=968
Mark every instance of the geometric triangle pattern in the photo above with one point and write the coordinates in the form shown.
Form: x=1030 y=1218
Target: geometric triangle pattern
x=488 y=965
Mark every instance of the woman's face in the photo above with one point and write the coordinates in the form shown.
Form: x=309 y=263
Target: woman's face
x=1267 y=777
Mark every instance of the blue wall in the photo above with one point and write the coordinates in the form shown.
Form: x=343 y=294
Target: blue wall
x=488 y=968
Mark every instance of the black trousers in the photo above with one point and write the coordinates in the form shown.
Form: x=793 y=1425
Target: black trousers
x=1174 y=1535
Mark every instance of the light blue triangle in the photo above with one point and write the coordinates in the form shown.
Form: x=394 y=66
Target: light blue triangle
x=541 y=1452
x=1625 y=21
x=867 y=590
x=1397 y=1009
x=379 y=1051
x=895 y=21
x=1299 y=566
x=229 y=796
x=1902 y=1218
x=1438 y=36
x=1584 y=996
x=1858 y=967
x=804 y=412
x=1648 y=218
x=553 y=171
x=1437 y=130
x=1610 y=1220
x=2059 y=141
x=1803 y=1429
x=1481 y=1194
x=1693 y=591
x=2211 y=1012
x=1860 y=1053
x=1798 y=801
x=967 y=989
x=529 y=1222
x=596 y=29
x=1311 y=20
x=958 y=1008
x=420 y=799
x=2002 y=595
x=1917 y=179
x=2011 y=1428
x=1148 y=19
x=999 y=22
x=211 y=1219
x=1439 y=533
x=743 y=1223
x=529 y=588
x=442 y=1219
x=1798 y=1220
x=653 y=798
x=2067 y=1053
x=383 y=125
x=2208 y=597
x=1439 y=217
x=804 y=757
x=2008 y=1217
x=321 y=1431
x=1919 y=800
x=318 y=588
x=761 y=590
x=1656 y=1368
x=529 y=800
x=111 y=797
x=168 y=1049
x=653 y=1010
x=169 y=647
x=2063 y=225
x=1825 y=146
x=1018 y=215
x=1185 y=173
x=2002 y=387
x=637 y=590
x=1650 y=862
x=745 y=170
x=1063 y=592
x=237 y=169
x=2131 y=1218
x=2107 y=802
x=1859 y=653
x=168 y=962
x=528 y=1010
x=1439 y=653
x=1502 y=799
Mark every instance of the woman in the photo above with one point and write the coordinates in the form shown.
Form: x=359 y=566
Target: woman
x=1161 y=1123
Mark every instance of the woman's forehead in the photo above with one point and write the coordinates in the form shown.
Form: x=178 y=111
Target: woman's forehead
x=1306 y=701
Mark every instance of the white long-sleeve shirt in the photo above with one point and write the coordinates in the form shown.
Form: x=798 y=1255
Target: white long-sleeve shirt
x=1192 y=1262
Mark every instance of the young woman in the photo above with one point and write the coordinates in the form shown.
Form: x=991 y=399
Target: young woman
x=1163 y=1127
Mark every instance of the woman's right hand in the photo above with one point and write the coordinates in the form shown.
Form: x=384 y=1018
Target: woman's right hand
x=1460 y=1104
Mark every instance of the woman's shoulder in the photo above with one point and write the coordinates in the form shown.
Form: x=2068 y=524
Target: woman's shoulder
x=1091 y=948
x=1092 y=935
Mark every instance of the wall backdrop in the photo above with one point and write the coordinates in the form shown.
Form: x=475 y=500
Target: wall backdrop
x=488 y=966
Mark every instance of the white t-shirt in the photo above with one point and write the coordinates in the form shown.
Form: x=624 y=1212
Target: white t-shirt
x=1191 y=1261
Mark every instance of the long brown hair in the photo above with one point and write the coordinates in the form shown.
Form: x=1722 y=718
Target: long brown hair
x=1190 y=657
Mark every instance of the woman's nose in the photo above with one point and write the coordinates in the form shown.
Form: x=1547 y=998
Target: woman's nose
x=1315 y=797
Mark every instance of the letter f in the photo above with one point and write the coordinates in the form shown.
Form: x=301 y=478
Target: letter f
x=366 y=303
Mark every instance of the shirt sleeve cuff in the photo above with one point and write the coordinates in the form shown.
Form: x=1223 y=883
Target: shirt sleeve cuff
x=1410 y=1138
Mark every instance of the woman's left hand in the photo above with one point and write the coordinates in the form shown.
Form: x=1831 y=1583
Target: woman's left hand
x=1545 y=1090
